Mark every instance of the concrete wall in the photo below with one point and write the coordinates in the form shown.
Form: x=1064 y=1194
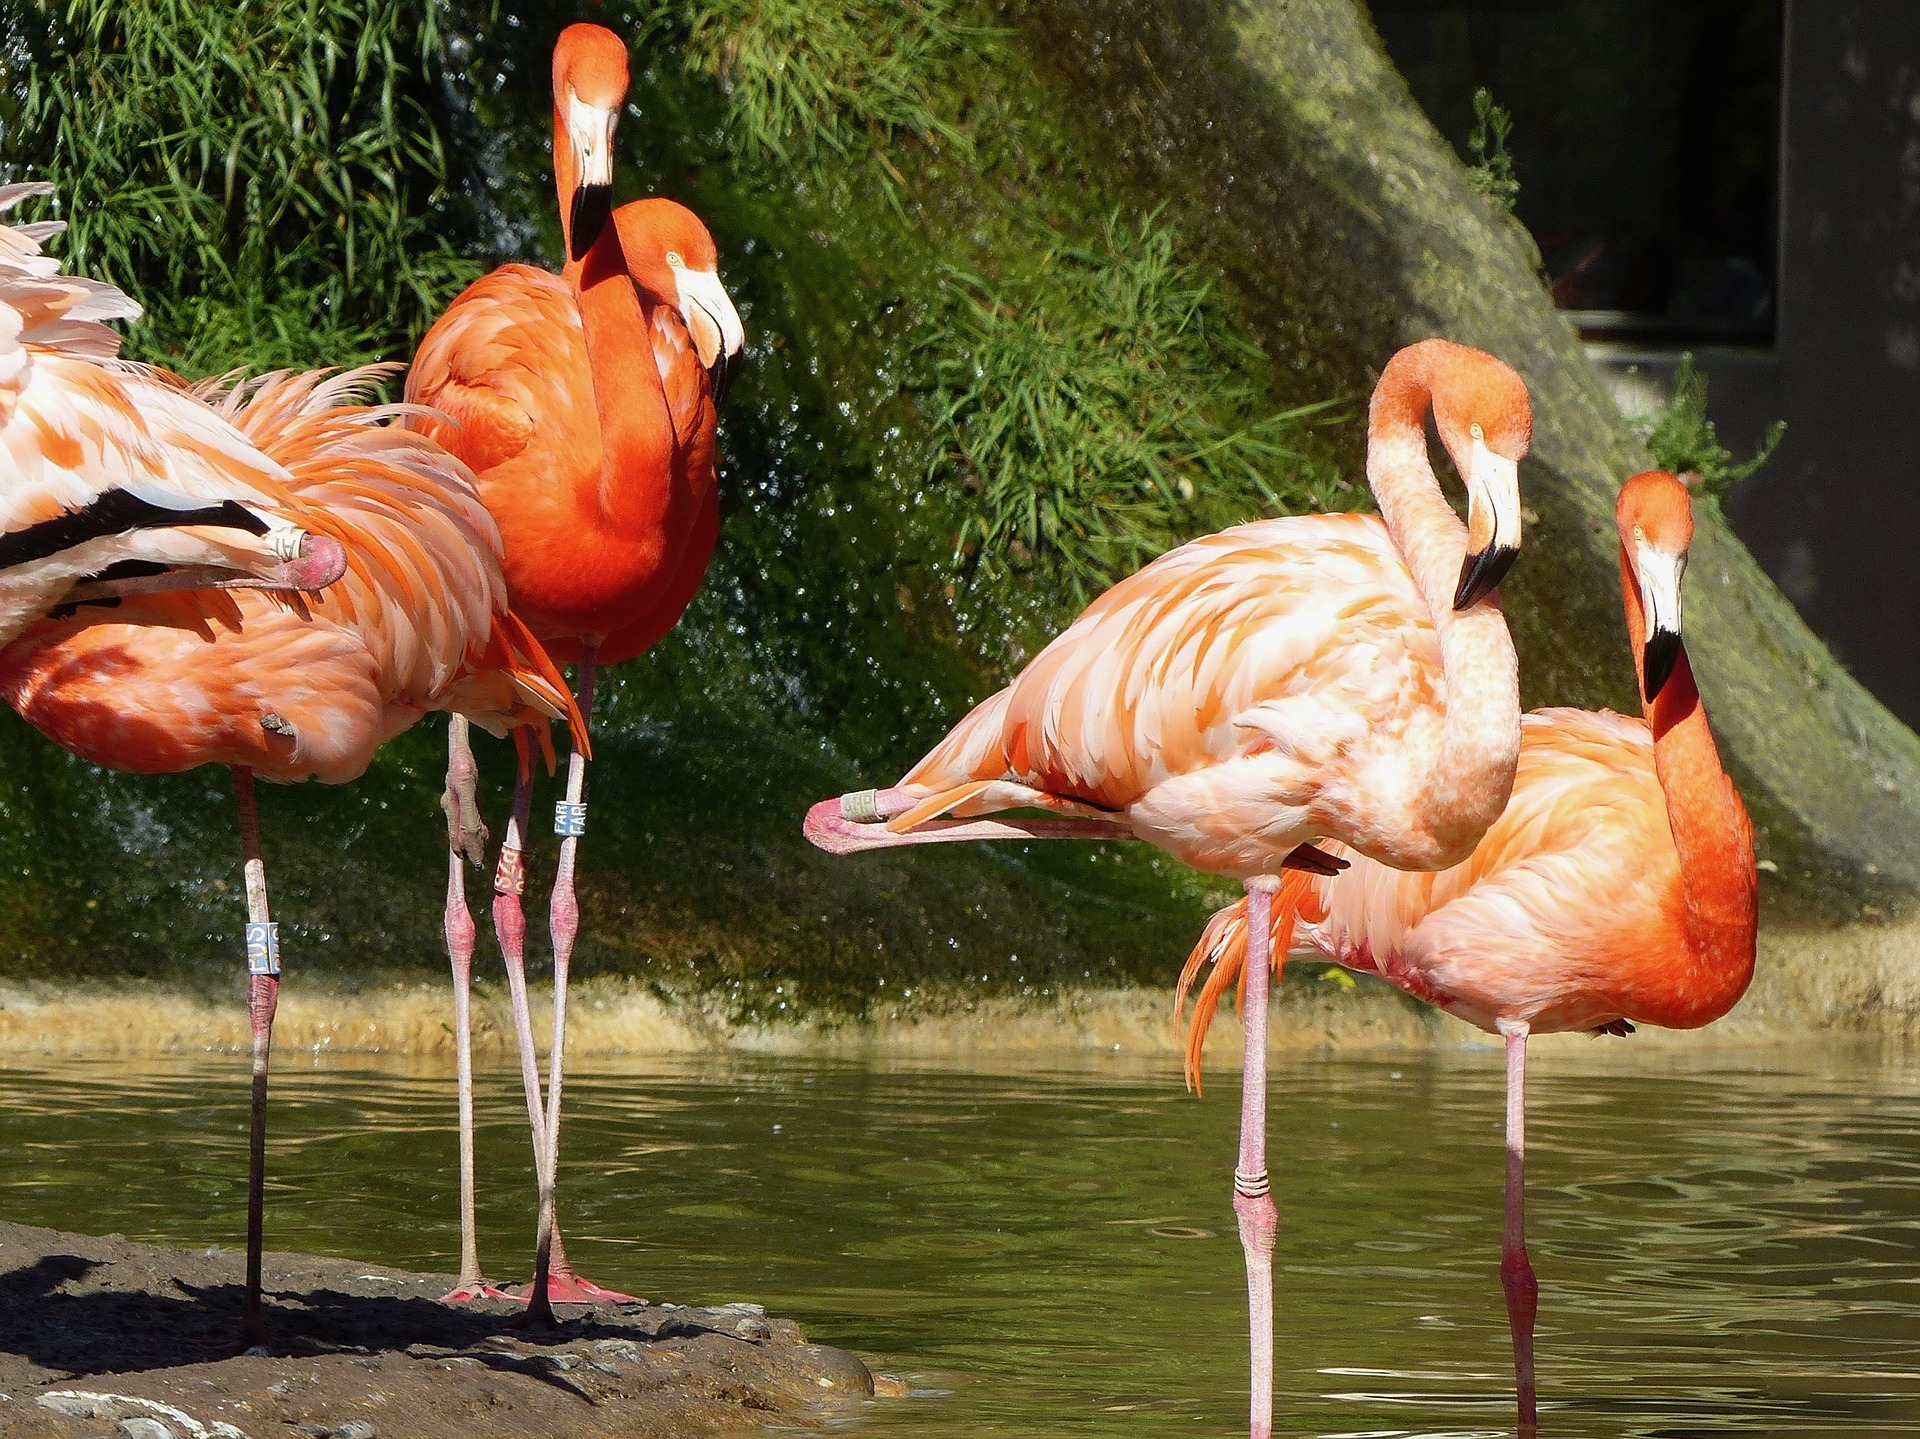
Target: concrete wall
x=1835 y=516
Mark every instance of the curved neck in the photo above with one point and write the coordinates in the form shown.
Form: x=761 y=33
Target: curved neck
x=1467 y=787
x=629 y=399
x=1711 y=832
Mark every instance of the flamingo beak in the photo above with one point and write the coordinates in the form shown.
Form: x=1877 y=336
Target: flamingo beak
x=296 y=560
x=590 y=129
x=1660 y=574
x=1493 y=523
x=718 y=335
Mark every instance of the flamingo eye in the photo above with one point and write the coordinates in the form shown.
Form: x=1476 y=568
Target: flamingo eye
x=1476 y=432
x=673 y=259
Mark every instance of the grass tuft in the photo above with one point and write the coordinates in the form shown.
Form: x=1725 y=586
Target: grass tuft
x=814 y=83
x=1100 y=413
x=1683 y=440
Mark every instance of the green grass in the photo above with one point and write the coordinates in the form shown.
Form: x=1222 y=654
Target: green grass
x=815 y=83
x=1098 y=411
x=268 y=179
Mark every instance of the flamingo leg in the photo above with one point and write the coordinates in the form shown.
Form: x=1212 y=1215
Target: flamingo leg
x=263 y=997
x=1516 y=1271
x=554 y=1279
x=466 y=841
x=1252 y=1192
x=510 y=928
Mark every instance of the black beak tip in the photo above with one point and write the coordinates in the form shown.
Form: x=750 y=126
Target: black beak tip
x=592 y=205
x=1481 y=574
x=1658 y=660
x=721 y=374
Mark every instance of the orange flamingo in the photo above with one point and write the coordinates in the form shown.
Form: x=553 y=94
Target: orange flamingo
x=117 y=480
x=586 y=403
x=1619 y=887
x=1343 y=677
x=419 y=622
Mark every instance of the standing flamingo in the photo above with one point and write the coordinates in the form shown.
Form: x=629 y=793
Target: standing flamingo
x=419 y=622
x=115 y=479
x=1342 y=677
x=1619 y=887
x=586 y=404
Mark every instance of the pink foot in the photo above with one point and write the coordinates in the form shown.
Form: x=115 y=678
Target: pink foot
x=567 y=1288
x=468 y=1293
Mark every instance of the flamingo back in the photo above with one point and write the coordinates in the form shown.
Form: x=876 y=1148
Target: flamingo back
x=1249 y=691
x=419 y=621
x=119 y=454
x=1563 y=916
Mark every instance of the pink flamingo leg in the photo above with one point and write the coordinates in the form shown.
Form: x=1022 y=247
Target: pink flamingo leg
x=1516 y=1272
x=510 y=928
x=466 y=841
x=1252 y=1193
x=263 y=997
x=554 y=1279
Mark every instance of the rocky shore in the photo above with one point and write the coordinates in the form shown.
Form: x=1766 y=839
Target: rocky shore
x=102 y=1338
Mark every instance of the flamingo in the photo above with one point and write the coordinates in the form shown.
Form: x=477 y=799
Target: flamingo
x=116 y=480
x=1344 y=677
x=1618 y=888
x=418 y=622
x=586 y=402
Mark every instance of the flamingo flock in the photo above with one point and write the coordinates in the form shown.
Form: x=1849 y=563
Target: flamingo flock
x=279 y=574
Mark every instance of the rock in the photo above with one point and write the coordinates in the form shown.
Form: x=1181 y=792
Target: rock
x=891 y=1386
x=354 y=1429
x=146 y=1429
x=618 y=1349
x=835 y=1370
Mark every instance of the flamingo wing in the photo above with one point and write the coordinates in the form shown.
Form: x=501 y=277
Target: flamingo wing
x=1227 y=689
x=1572 y=888
x=107 y=462
x=419 y=621
x=506 y=361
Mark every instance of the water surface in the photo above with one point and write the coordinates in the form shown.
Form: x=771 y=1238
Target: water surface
x=1726 y=1244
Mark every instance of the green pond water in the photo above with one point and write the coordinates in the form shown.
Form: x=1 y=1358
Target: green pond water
x=1727 y=1243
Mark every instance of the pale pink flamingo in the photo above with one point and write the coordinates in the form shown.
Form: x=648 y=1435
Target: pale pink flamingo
x=1344 y=677
x=586 y=403
x=418 y=623
x=1618 y=888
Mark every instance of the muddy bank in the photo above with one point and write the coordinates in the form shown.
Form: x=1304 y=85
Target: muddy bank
x=1860 y=979
x=104 y=1337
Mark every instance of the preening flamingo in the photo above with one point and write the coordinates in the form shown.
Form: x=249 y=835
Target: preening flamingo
x=419 y=622
x=586 y=404
x=1618 y=888
x=115 y=480
x=1343 y=677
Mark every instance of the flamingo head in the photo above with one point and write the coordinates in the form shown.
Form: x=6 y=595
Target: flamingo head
x=1655 y=515
x=1481 y=409
x=672 y=255
x=589 y=87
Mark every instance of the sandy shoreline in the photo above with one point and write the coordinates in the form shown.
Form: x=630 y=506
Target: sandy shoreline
x=1861 y=981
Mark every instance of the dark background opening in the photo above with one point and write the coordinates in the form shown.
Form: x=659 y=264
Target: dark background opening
x=1646 y=139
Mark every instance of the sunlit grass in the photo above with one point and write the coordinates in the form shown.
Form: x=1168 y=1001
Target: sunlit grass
x=1099 y=411
x=812 y=82
x=268 y=179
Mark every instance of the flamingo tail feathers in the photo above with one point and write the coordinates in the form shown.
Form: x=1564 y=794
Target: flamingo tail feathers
x=1224 y=944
